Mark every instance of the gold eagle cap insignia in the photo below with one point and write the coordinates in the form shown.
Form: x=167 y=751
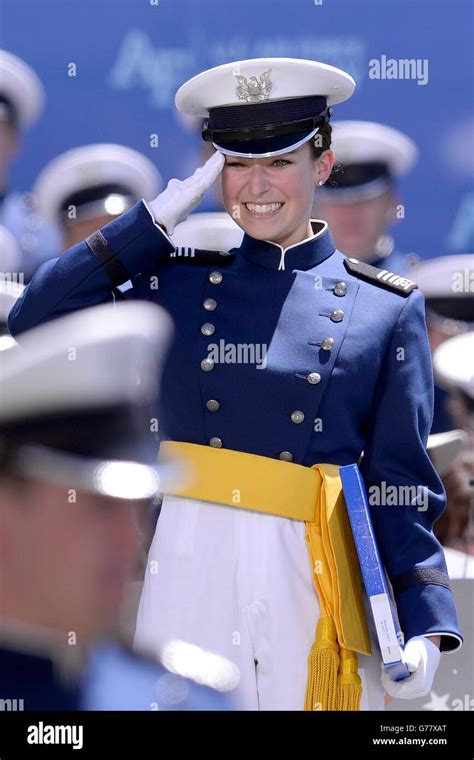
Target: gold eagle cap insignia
x=253 y=90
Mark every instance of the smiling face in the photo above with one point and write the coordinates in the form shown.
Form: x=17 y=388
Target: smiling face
x=271 y=198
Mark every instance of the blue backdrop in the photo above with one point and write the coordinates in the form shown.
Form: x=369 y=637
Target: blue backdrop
x=129 y=57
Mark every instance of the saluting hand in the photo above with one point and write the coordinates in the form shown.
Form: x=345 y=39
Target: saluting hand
x=182 y=196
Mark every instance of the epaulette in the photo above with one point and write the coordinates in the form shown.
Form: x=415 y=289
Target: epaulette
x=381 y=277
x=201 y=255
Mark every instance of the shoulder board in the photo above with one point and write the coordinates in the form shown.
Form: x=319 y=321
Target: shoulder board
x=201 y=255
x=381 y=277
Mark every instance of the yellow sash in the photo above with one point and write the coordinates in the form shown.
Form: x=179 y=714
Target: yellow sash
x=314 y=495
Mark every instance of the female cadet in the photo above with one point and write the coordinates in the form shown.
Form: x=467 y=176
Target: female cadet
x=289 y=361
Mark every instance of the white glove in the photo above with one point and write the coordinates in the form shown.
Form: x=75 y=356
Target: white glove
x=422 y=658
x=182 y=196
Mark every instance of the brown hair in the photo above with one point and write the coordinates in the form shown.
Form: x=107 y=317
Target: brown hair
x=324 y=134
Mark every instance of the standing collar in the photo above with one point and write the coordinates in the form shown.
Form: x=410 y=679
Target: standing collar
x=303 y=255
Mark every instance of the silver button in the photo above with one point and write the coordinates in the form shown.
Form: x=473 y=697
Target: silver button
x=340 y=289
x=327 y=344
x=286 y=456
x=297 y=416
x=213 y=405
x=207 y=365
x=215 y=278
x=337 y=315
x=314 y=378
x=354 y=261
x=207 y=328
x=216 y=442
x=210 y=304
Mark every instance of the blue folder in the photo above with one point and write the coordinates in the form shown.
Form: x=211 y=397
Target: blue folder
x=373 y=573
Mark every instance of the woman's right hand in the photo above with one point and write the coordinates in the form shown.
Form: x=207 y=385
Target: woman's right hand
x=182 y=196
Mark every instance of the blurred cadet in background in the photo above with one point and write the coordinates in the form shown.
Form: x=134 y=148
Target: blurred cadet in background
x=21 y=101
x=77 y=460
x=359 y=201
x=453 y=363
x=446 y=283
x=85 y=188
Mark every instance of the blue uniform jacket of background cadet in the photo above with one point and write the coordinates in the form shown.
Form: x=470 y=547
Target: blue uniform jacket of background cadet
x=346 y=368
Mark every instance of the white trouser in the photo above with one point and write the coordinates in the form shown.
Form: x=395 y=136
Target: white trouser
x=238 y=583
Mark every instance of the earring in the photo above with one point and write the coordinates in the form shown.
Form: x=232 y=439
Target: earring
x=320 y=183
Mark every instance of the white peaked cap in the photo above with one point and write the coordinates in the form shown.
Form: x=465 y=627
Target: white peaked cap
x=213 y=230
x=22 y=86
x=89 y=358
x=356 y=142
x=453 y=363
x=291 y=78
x=443 y=449
x=104 y=359
x=92 y=165
x=437 y=278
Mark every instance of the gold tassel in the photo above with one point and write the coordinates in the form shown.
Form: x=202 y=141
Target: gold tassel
x=323 y=663
x=349 y=684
